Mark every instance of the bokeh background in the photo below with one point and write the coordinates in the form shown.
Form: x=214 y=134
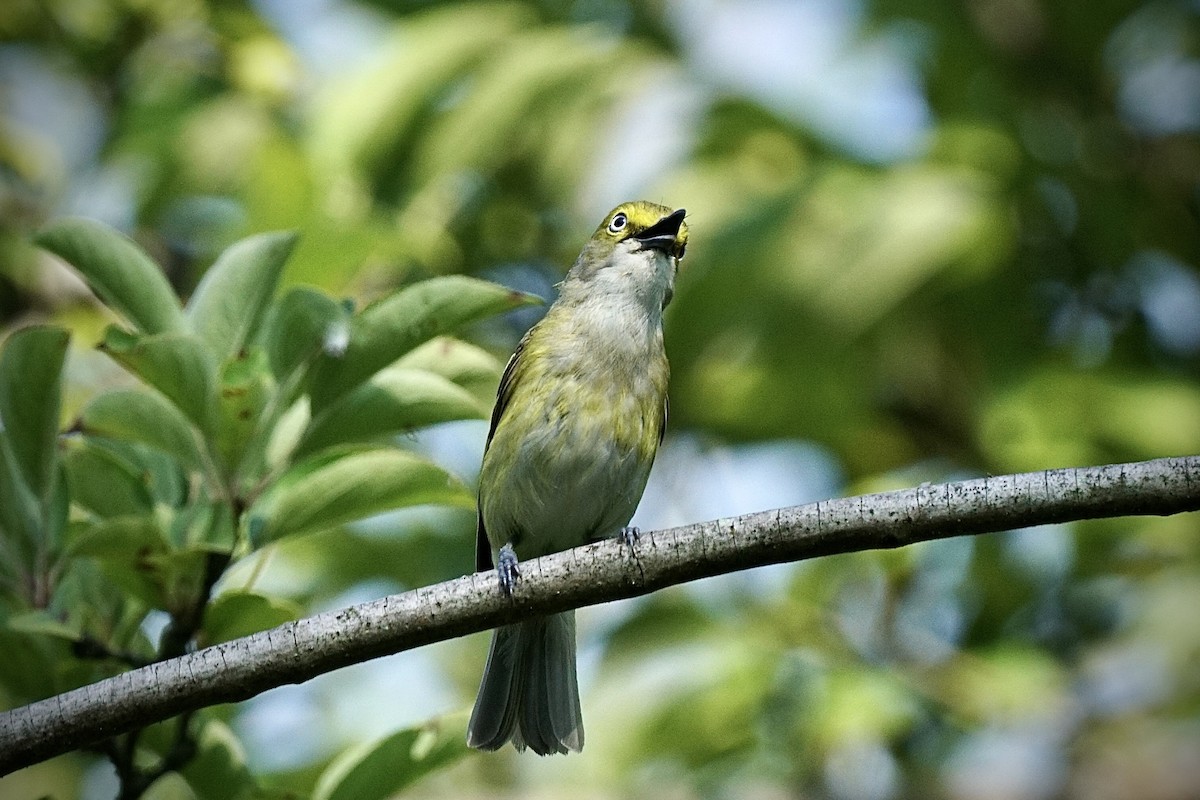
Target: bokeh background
x=929 y=241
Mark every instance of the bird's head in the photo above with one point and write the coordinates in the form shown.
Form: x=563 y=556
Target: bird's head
x=635 y=250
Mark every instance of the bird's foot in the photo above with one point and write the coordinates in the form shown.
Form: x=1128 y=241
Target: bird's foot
x=629 y=536
x=506 y=569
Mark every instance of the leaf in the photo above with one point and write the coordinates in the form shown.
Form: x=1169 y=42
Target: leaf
x=137 y=416
x=235 y=614
x=104 y=483
x=219 y=771
x=299 y=326
x=119 y=271
x=30 y=400
x=396 y=324
x=86 y=601
x=124 y=539
x=393 y=401
x=42 y=623
x=31 y=667
x=176 y=364
x=228 y=305
x=20 y=512
x=526 y=78
x=313 y=463
x=170 y=786
x=245 y=388
x=168 y=482
x=204 y=525
x=128 y=550
x=471 y=367
x=379 y=770
x=176 y=576
x=367 y=117
x=285 y=435
x=353 y=487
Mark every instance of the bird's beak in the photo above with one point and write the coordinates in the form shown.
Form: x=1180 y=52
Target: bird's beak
x=661 y=235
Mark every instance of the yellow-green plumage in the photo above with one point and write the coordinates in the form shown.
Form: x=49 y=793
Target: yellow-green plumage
x=579 y=416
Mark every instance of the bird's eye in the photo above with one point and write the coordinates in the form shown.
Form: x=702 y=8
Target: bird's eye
x=618 y=223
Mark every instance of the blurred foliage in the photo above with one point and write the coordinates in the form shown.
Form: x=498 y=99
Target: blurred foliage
x=259 y=418
x=1013 y=286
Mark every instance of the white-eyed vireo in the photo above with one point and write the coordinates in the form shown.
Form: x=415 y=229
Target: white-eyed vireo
x=579 y=415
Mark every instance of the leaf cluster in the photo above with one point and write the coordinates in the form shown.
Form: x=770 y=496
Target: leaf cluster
x=252 y=415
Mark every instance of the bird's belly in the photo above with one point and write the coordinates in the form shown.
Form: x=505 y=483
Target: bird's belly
x=570 y=479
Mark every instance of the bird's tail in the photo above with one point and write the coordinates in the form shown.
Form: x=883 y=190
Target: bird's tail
x=529 y=691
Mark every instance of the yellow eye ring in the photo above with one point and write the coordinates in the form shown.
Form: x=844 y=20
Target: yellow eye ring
x=619 y=221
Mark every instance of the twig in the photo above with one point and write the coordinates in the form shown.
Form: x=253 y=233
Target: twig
x=179 y=633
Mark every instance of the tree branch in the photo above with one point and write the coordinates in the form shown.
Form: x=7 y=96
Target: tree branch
x=597 y=573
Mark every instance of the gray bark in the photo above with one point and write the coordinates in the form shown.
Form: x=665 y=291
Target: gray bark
x=597 y=573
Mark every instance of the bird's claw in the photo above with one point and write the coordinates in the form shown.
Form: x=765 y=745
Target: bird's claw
x=506 y=569
x=629 y=536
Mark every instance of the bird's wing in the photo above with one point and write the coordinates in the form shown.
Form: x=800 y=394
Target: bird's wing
x=483 y=549
x=662 y=430
x=505 y=390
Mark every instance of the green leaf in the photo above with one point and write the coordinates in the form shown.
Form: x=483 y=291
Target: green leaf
x=365 y=118
x=471 y=367
x=104 y=483
x=235 y=614
x=124 y=539
x=170 y=786
x=245 y=388
x=177 y=575
x=168 y=481
x=33 y=503
x=20 y=512
x=528 y=80
x=396 y=324
x=228 y=305
x=31 y=667
x=285 y=435
x=393 y=401
x=205 y=525
x=128 y=550
x=57 y=508
x=353 y=487
x=119 y=271
x=379 y=770
x=42 y=623
x=302 y=469
x=138 y=416
x=30 y=400
x=176 y=364
x=86 y=601
x=219 y=771
x=300 y=323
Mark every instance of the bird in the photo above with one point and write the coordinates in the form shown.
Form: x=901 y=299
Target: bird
x=579 y=415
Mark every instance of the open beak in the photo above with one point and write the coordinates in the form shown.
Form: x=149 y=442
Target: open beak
x=661 y=235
